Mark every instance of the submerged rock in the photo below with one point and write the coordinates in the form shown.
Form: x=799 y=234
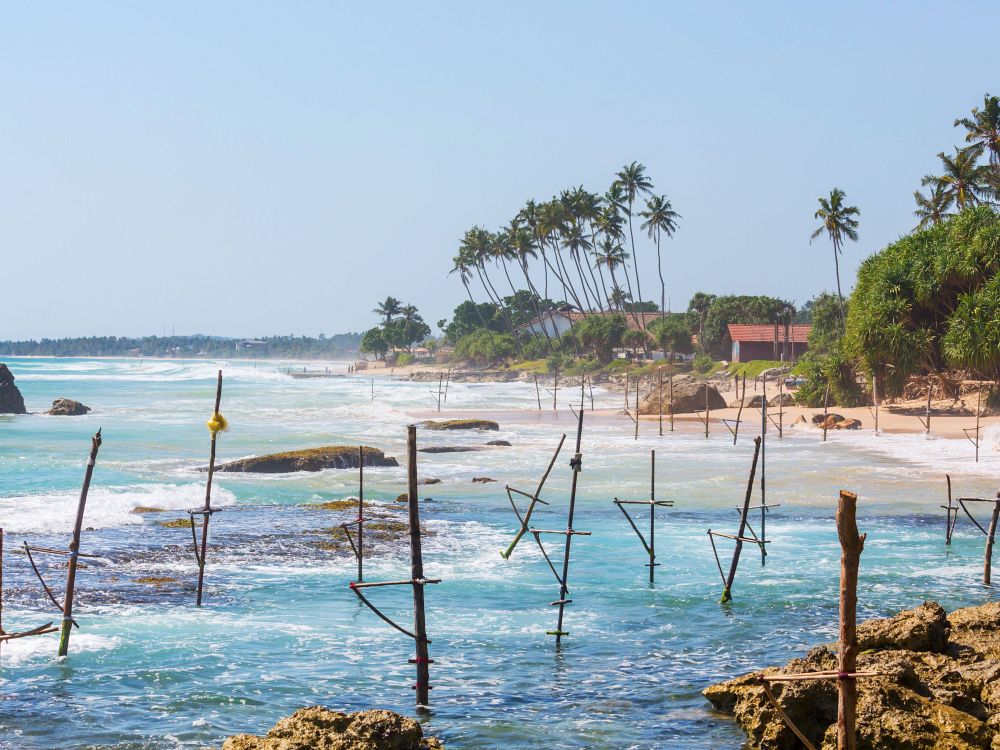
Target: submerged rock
x=317 y=728
x=483 y=480
x=11 y=401
x=67 y=407
x=500 y=443
x=310 y=459
x=462 y=424
x=448 y=449
x=939 y=688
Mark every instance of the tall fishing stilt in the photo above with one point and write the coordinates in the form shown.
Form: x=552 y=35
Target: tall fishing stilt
x=636 y=407
x=422 y=659
x=74 y=548
x=650 y=544
x=659 y=400
x=538 y=393
x=740 y=536
x=359 y=548
x=851 y=543
x=416 y=580
x=826 y=408
x=763 y=478
x=671 y=376
x=216 y=425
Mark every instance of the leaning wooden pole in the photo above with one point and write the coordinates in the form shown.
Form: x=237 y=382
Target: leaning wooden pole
x=851 y=544
x=422 y=659
x=74 y=548
x=990 y=536
x=538 y=393
x=947 y=522
x=215 y=425
x=659 y=400
x=576 y=463
x=652 y=514
x=727 y=594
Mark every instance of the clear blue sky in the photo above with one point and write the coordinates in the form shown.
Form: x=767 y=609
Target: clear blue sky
x=253 y=168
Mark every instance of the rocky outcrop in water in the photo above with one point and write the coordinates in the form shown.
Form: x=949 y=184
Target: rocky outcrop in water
x=11 y=401
x=67 y=407
x=461 y=424
x=310 y=459
x=940 y=687
x=317 y=728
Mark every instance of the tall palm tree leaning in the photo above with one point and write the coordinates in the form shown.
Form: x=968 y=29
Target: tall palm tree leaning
x=660 y=219
x=839 y=224
x=462 y=264
x=388 y=309
x=634 y=183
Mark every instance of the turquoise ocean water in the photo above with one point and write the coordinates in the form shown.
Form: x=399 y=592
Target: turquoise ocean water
x=281 y=630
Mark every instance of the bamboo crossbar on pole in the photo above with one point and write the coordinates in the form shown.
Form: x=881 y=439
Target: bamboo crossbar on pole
x=74 y=548
x=650 y=544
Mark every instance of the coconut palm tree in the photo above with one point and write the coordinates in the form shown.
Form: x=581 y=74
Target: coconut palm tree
x=462 y=264
x=634 y=182
x=983 y=129
x=387 y=310
x=932 y=208
x=839 y=224
x=613 y=255
x=552 y=222
x=615 y=204
x=963 y=179
x=618 y=297
x=660 y=219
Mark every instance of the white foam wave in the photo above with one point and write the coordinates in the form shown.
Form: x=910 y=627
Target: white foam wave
x=54 y=512
x=35 y=648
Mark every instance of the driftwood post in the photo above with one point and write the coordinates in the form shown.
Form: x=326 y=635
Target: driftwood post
x=215 y=425
x=851 y=544
x=74 y=548
x=422 y=659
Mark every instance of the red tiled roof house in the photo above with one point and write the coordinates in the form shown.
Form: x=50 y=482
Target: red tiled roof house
x=769 y=341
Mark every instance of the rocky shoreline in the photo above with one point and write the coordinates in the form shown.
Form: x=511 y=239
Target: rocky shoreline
x=938 y=688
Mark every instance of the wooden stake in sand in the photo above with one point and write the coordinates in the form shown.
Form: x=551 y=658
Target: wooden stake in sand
x=538 y=393
x=979 y=408
x=650 y=544
x=216 y=425
x=826 y=408
x=417 y=580
x=734 y=425
x=951 y=514
x=74 y=548
x=851 y=544
x=926 y=420
x=671 y=376
x=659 y=401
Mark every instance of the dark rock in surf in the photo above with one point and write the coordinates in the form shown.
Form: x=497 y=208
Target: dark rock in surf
x=310 y=459
x=67 y=407
x=11 y=401
x=448 y=449
x=501 y=443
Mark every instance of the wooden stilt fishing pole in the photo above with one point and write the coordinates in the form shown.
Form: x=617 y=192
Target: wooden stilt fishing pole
x=216 y=425
x=650 y=544
x=359 y=548
x=734 y=425
x=875 y=399
x=535 y=499
x=950 y=509
x=763 y=478
x=626 y=391
x=538 y=393
x=851 y=544
x=740 y=537
x=637 y=379
x=990 y=536
x=781 y=407
x=74 y=548
x=671 y=376
x=590 y=387
x=659 y=401
x=447 y=382
x=416 y=581
x=826 y=408
x=926 y=419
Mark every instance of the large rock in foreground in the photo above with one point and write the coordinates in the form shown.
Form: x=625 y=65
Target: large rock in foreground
x=939 y=689
x=318 y=728
x=67 y=407
x=689 y=396
x=310 y=459
x=11 y=401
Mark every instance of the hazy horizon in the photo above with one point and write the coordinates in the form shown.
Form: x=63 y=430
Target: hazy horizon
x=247 y=170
